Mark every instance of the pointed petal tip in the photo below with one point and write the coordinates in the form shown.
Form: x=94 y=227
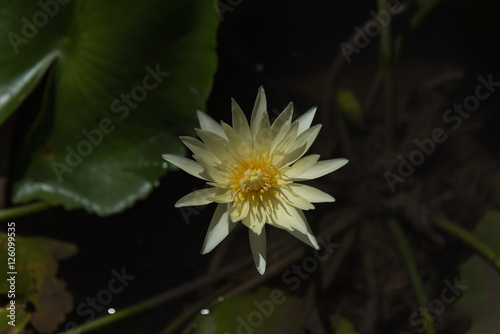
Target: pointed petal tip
x=205 y=249
x=168 y=156
x=261 y=92
x=208 y=246
x=314 y=242
x=219 y=228
x=262 y=269
x=258 y=247
x=200 y=114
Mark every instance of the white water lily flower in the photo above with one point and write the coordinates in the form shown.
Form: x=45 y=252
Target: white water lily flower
x=252 y=170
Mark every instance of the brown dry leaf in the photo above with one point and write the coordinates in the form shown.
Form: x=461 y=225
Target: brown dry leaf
x=53 y=303
x=36 y=266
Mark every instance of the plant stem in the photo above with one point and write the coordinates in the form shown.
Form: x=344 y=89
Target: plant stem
x=386 y=63
x=470 y=239
x=404 y=249
x=415 y=21
x=23 y=211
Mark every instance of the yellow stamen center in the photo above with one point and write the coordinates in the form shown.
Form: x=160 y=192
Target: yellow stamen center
x=253 y=179
x=256 y=179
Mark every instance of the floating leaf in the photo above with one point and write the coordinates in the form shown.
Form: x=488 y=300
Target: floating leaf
x=36 y=262
x=123 y=80
x=481 y=300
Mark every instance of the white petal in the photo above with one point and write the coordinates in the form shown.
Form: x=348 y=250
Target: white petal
x=311 y=194
x=206 y=158
x=239 y=212
x=307 y=238
x=298 y=220
x=219 y=228
x=258 y=247
x=307 y=235
x=253 y=222
x=294 y=199
x=284 y=120
x=199 y=197
x=200 y=150
x=280 y=218
x=225 y=197
x=286 y=136
x=236 y=144
x=262 y=140
x=305 y=120
x=189 y=166
x=289 y=218
x=301 y=144
x=207 y=123
x=213 y=172
x=259 y=111
x=216 y=144
x=280 y=143
x=321 y=168
x=240 y=123
x=302 y=166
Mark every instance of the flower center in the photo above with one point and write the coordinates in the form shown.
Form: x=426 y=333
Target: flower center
x=256 y=179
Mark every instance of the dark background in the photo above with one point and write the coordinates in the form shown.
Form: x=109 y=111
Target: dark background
x=289 y=48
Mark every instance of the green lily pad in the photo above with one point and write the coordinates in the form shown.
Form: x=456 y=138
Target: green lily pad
x=32 y=269
x=481 y=300
x=254 y=312
x=123 y=80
